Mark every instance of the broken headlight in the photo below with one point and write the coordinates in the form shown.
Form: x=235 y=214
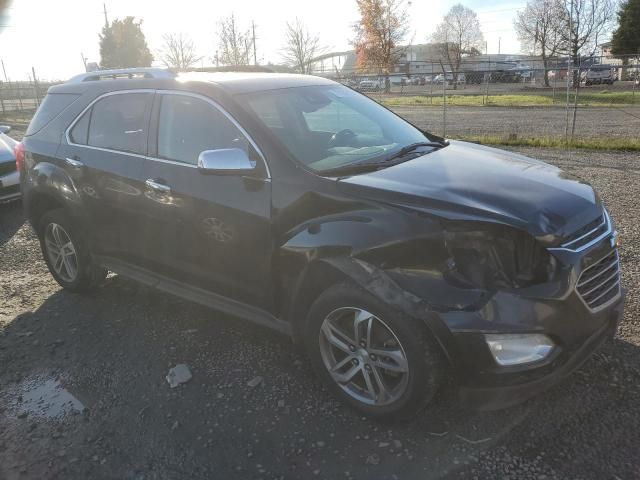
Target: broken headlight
x=496 y=257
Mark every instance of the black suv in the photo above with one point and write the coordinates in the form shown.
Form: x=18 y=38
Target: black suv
x=399 y=259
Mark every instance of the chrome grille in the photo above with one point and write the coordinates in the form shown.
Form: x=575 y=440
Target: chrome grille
x=588 y=235
x=7 y=167
x=599 y=283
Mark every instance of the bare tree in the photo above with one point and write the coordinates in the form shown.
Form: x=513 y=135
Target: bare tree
x=382 y=27
x=235 y=46
x=301 y=47
x=178 y=51
x=581 y=24
x=537 y=27
x=458 y=35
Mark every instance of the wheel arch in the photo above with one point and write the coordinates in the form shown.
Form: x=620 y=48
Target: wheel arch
x=49 y=188
x=40 y=203
x=320 y=274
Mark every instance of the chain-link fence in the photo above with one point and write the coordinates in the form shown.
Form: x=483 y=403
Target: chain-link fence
x=507 y=98
x=489 y=98
x=21 y=97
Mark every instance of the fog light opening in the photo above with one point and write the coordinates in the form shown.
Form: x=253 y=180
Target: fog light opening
x=519 y=349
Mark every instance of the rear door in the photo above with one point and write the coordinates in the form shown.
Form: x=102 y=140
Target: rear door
x=212 y=231
x=105 y=152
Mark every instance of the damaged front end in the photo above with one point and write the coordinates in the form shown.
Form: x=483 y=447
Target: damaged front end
x=493 y=257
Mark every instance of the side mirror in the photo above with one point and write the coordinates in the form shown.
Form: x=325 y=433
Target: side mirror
x=5 y=128
x=225 y=161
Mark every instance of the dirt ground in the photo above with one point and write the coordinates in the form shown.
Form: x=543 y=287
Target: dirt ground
x=83 y=393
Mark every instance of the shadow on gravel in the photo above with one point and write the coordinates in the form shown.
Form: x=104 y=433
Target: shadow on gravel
x=11 y=219
x=112 y=349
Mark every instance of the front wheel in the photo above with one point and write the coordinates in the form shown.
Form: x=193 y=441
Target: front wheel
x=376 y=359
x=66 y=253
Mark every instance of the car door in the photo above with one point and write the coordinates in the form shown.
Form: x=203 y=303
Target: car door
x=211 y=231
x=104 y=153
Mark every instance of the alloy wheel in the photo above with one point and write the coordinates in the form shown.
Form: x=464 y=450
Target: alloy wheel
x=363 y=356
x=61 y=252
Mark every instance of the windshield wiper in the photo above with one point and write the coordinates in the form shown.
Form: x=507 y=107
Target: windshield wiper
x=414 y=146
x=352 y=169
x=394 y=159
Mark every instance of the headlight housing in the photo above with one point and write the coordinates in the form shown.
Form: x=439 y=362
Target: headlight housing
x=496 y=257
x=519 y=349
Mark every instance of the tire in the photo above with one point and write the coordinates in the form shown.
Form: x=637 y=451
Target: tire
x=76 y=272
x=408 y=391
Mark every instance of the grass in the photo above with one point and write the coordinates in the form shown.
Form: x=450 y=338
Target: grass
x=591 y=99
x=616 y=144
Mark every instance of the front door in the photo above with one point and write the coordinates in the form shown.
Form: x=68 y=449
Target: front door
x=212 y=231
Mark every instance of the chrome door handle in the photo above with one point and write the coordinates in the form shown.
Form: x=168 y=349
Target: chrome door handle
x=158 y=187
x=73 y=163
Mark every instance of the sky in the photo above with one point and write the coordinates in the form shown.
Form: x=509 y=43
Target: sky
x=52 y=36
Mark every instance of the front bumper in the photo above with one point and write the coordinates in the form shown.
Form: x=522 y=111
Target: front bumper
x=503 y=389
x=556 y=309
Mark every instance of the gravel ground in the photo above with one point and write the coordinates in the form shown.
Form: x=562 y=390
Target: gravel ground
x=83 y=391
x=591 y=122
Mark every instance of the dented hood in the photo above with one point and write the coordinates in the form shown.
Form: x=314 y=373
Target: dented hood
x=472 y=182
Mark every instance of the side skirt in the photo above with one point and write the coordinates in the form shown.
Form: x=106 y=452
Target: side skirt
x=195 y=294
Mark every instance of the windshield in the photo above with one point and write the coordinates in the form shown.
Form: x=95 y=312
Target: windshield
x=328 y=127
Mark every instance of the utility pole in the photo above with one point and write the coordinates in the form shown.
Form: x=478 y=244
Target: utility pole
x=499 y=40
x=4 y=71
x=253 y=28
x=84 y=61
x=106 y=18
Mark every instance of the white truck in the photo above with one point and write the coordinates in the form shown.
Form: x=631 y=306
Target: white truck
x=599 y=75
x=371 y=84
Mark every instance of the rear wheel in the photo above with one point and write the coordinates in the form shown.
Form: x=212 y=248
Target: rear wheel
x=66 y=253
x=373 y=357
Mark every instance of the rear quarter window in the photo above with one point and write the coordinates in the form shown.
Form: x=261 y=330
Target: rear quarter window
x=52 y=106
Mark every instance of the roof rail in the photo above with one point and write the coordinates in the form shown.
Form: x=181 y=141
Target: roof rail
x=146 y=72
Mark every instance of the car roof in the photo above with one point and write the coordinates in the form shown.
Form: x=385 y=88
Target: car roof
x=246 y=82
x=232 y=82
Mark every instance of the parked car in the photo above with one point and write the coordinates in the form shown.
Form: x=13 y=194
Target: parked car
x=399 y=80
x=371 y=84
x=9 y=178
x=505 y=76
x=439 y=79
x=398 y=259
x=598 y=75
x=349 y=82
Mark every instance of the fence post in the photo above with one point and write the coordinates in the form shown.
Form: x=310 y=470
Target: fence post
x=566 y=106
x=485 y=99
x=2 y=90
x=17 y=88
x=35 y=86
x=575 y=101
x=553 y=80
x=444 y=100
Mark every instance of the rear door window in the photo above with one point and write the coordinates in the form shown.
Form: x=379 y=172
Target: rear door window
x=119 y=122
x=80 y=130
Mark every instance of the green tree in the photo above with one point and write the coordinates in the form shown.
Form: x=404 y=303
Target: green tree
x=123 y=45
x=626 y=38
